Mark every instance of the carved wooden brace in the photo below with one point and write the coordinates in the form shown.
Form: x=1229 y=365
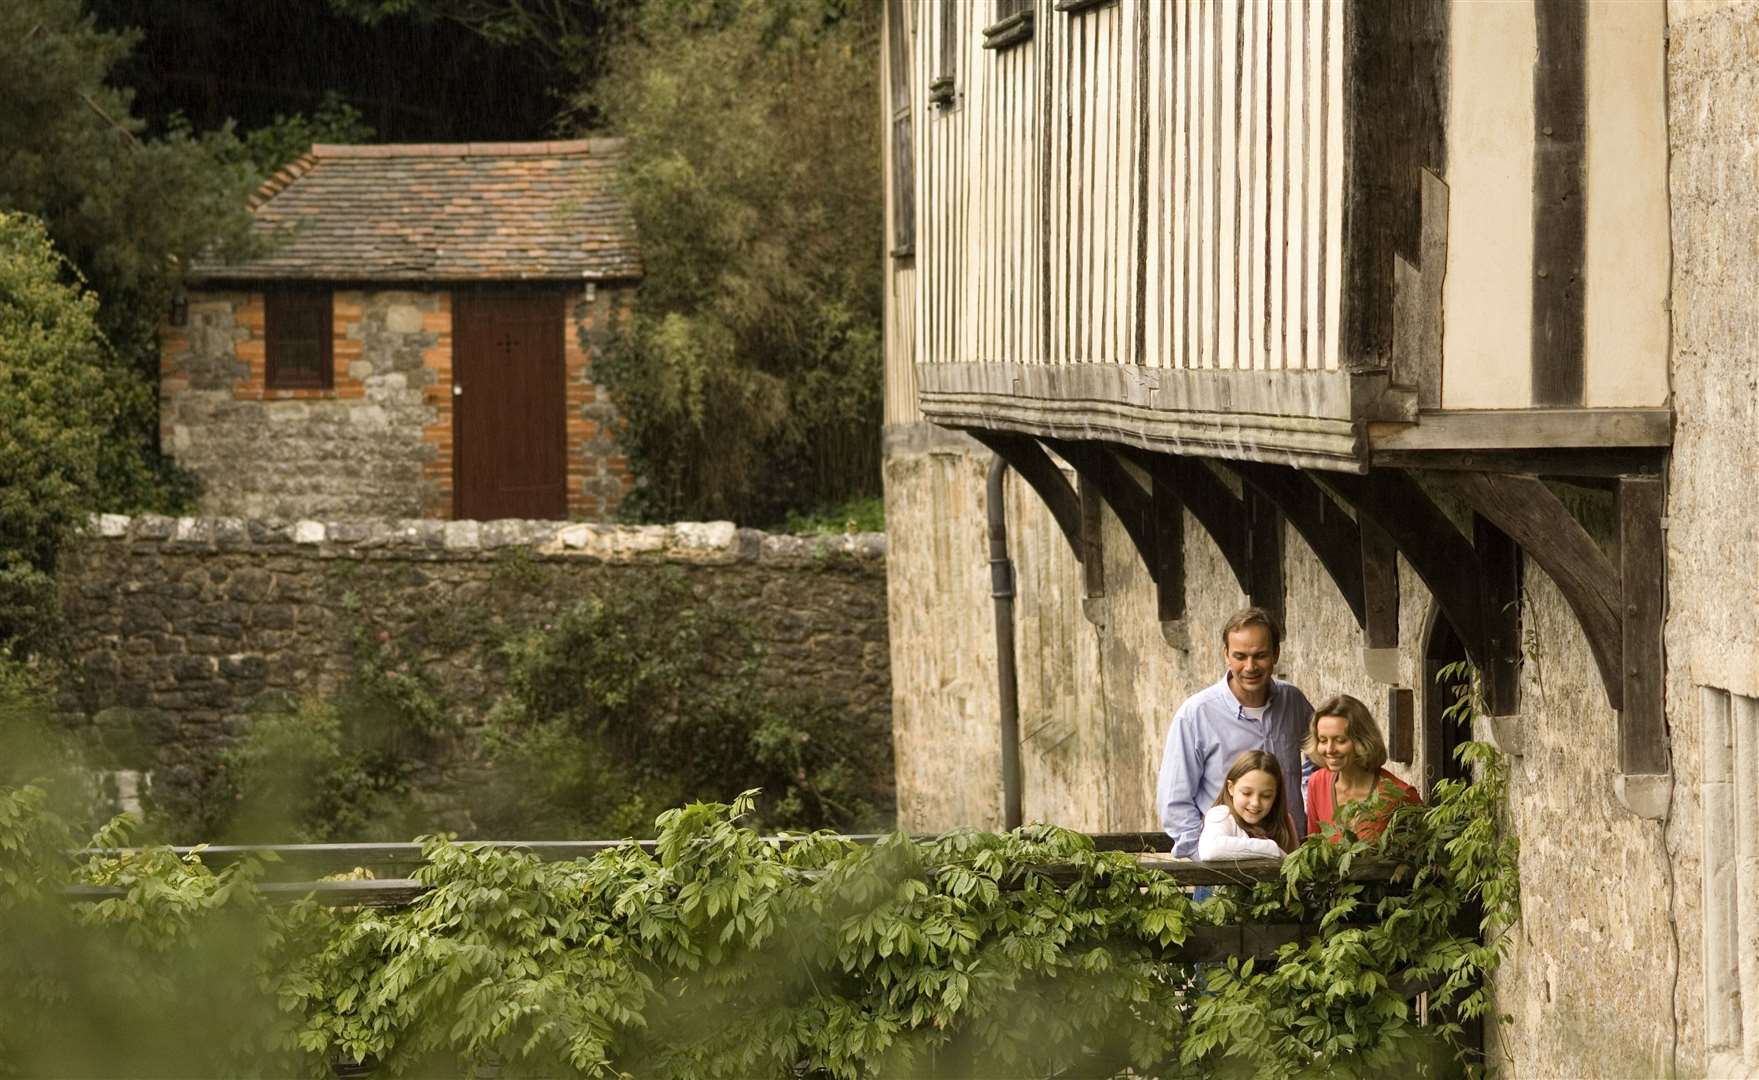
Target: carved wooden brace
x=1322 y=524
x=1099 y=468
x=1619 y=606
x=1222 y=515
x=1027 y=458
x=1440 y=554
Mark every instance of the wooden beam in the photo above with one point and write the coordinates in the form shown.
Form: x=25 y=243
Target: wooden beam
x=1536 y=519
x=1643 y=744
x=1429 y=541
x=1218 y=510
x=1169 y=553
x=1099 y=468
x=1323 y=524
x=1499 y=561
x=1401 y=724
x=1567 y=463
x=1092 y=539
x=1264 y=544
x=1028 y=459
x=1525 y=429
x=1379 y=568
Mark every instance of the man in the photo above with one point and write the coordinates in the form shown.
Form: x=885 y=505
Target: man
x=1249 y=709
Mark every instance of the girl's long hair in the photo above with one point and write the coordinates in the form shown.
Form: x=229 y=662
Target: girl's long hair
x=1277 y=825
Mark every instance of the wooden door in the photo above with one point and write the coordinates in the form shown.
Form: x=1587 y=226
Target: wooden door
x=509 y=442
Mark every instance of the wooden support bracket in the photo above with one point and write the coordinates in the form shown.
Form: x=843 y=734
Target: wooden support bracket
x=1222 y=515
x=1027 y=458
x=1169 y=557
x=1430 y=542
x=1264 y=546
x=1619 y=606
x=1100 y=470
x=1324 y=525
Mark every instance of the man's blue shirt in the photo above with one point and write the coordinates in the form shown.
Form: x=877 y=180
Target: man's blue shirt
x=1208 y=732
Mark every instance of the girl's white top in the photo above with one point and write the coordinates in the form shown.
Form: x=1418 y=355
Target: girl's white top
x=1222 y=838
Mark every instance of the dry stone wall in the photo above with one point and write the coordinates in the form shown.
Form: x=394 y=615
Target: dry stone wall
x=183 y=626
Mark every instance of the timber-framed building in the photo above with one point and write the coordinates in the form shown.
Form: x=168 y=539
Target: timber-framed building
x=1422 y=326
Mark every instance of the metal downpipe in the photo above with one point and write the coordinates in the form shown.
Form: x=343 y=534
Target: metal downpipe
x=1001 y=590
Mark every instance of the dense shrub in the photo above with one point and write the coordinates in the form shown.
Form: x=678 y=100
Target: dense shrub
x=728 y=956
x=650 y=696
x=750 y=376
x=60 y=394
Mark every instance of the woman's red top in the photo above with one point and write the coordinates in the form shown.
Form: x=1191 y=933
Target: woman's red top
x=1322 y=806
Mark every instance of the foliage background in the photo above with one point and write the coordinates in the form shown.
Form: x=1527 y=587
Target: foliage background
x=750 y=375
x=722 y=954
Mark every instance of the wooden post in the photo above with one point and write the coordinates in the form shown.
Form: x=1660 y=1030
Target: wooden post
x=1642 y=562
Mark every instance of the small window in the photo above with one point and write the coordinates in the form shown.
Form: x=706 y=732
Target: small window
x=296 y=338
x=903 y=165
x=943 y=91
x=1013 y=25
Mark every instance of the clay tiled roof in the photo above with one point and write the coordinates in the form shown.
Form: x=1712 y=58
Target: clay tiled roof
x=454 y=212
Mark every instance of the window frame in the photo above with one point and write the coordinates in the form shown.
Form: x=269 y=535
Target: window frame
x=285 y=308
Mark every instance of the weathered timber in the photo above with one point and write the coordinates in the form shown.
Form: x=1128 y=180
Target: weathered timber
x=1643 y=744
x=1092 y=539
x=1401 y=724
x=1514 y=429
x=1323 y=524
x=1264 y=541
x=1538 y=521
x=1499 y=561
x=1034 y=466
x=1428 y=540
x=1379 y=567
x=1100 y=468
x=1169 y=552
x=1222 y=515
x=1574 y=465
x=1560 y=204
x=1432 y=261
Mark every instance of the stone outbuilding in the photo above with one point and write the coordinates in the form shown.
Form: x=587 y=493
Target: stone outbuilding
x=417 y=339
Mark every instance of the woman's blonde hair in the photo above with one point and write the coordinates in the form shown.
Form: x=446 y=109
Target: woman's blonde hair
x=1359 y=727
x=1277 y=824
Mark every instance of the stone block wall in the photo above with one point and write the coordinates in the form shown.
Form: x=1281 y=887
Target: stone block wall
x=1590 y=982
x=379 y=442
x=182 y=626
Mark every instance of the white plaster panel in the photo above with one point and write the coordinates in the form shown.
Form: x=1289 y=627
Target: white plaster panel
x=1488 y=296
x=1625 y=346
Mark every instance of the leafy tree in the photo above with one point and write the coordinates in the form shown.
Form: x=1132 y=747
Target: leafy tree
x=128 y=210
x=61 y=394
x=286 y=137
x=750 y=374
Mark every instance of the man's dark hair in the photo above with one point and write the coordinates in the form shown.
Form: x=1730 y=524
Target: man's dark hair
x=1254 y=616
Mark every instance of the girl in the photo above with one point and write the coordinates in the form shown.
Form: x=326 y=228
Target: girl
x=1250 y=818
x=1345 y=741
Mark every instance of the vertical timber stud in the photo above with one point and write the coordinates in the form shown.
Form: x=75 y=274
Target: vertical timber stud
x=1380 y=601
x=1092 y=549
x=1643 y=750
x=1499 y=563
x=1264 y=541
x=1560 y=212
x=1169 y=557
x=1401 y=723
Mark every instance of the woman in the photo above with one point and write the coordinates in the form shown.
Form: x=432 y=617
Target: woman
x=1344 y=739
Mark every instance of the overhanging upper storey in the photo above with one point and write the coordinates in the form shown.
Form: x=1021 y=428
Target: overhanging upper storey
x=1306 y=233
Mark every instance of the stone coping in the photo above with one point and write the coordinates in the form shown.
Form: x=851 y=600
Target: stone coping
x=704 y=541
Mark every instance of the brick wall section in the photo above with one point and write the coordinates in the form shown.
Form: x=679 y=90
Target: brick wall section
x=182 y=626
x=598 y=471
x=379 y=442
x=437 y=396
